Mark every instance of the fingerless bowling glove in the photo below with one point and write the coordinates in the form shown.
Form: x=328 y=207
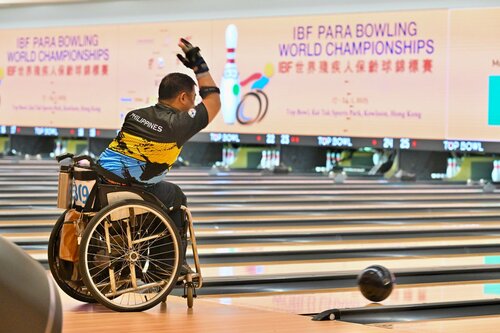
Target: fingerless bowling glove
x=193 y=58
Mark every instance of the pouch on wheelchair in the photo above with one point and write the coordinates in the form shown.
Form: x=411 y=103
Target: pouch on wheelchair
x=76 y=187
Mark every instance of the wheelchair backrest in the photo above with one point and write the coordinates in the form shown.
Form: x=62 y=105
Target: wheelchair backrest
x=80 y=186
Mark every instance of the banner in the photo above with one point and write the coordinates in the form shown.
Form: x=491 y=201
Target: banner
x=422 y=74
x=58 y=77
x=474 y=112
x=354 y=75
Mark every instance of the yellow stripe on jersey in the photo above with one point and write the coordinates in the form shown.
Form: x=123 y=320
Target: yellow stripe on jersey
x=145 y=150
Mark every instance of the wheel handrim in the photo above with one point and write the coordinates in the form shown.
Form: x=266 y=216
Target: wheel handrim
x=132 y=261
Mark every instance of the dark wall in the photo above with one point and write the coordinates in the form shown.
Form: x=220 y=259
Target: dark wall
x=32 y=145
x=201 y=153
x=423 y=163
x=303 y=158
x=97 y=145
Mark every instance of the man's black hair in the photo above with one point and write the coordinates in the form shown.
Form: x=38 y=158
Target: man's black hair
x=173 y=84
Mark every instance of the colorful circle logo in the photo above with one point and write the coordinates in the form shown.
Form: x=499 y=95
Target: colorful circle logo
x=254 y=104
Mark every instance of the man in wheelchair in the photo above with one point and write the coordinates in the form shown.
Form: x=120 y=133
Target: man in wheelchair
x=151 y=138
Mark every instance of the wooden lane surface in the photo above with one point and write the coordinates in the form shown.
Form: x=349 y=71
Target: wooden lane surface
x=252 y=214
x=356 y=206
x=334 y=266
x=342 y=245
x=315 y=301
x=320 y=183
x=483 y=324
x=326 y=207
x=321 y=216
x=255 y=184
x=25 y=196
x=334 y=245
x=344 y=228
x=265 y=183
x=50 y=199
x=52 y=190
x=338 y=226
x=215 y=193
x=328 y=265
x=25 y=227
x=204 y=317
x=29 y=211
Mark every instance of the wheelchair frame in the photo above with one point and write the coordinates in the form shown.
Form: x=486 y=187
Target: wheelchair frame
x=138 y=201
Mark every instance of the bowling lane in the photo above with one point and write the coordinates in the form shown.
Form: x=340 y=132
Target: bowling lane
x=467 y=324
x=315 y=301
x=32 y=212
x=344 y=197
x=272 y=252
x=21 y=183
x=50 y=200
x=265 y=269
x=212 y=229
x=346 y=228
x=343 y=265
x=26 y=224
x=317 y=217
x=17 y=199
x=256 y=185
x=311 y=213
x=206 y=317
x=241 y=208
x=25 y=196
x=343 y=245
x=14 y=189
x=220 y=233
x=260 y=209
x=333 y=190
x=356 y=207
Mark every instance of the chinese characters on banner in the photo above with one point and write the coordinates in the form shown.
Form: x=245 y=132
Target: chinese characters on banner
x=359 y=66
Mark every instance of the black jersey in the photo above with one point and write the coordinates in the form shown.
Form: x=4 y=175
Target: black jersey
x=150 y=141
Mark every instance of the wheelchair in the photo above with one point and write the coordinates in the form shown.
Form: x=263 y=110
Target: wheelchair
x=129 y=253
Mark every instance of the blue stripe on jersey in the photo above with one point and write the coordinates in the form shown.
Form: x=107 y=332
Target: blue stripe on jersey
x=118 y=163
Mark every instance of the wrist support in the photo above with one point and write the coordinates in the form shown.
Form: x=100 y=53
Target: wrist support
x=205 y=91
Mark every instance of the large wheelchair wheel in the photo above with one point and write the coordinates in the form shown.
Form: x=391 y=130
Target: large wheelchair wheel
x=130 y=256
x=61 y=269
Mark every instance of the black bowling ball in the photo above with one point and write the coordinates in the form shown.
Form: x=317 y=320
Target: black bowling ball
x=376 y=283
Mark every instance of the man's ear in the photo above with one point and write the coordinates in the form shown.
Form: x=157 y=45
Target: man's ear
x=183 y=95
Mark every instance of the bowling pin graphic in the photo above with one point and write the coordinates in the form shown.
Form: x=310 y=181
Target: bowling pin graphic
x=231 y=156
x=494 y=171
x=224 y=156
x=457 y=166
x=230 y=94
x=495 y=174
x=262 y=164
x=330 y=160
x=449 y=170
